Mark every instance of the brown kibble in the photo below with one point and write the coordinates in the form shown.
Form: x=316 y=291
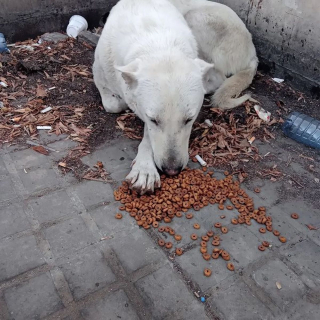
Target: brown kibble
x=118 y=216
x=206 y=256
x=216 y=238
x=283 y=239
x=122 y=208
x=194 y=236
x=215 y=255
x=218 y=225
x=205 y=238
x=161 y=242
x=216 y=250
x=257 y=190
x=179 y=252
x=262 y=248
x=178 y=237
x=155 y=224
x=230 y=266
x=234 y=221
x=262 y=230
x=266 y=244
x=215 y=242
x=203 y=243
x=196 y=226
x=207 y=272
x=226 y=173
x=224 y=230
x=229 y=207
x=295 y=216
x=276 y=233
x=172 y=232
x=210 y=233
x=203 y=250
x=168 y=245
x=189 y=215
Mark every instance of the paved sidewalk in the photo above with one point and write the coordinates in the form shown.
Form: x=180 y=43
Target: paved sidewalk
x=53 y=264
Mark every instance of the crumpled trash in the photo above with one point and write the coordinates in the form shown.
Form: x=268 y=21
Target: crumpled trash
x=277 y=80
x=262 y=114
x=3 y=44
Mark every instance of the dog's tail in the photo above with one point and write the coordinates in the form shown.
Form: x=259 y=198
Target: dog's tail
x=226 y=97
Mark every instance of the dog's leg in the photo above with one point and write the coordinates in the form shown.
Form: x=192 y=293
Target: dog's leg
x=144 y=176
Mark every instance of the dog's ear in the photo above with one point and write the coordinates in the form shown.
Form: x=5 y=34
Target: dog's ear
x=129 y=73
x=212 y=79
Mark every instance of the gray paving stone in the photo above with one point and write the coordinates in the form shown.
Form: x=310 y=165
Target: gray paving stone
x=114 y=306
x=3 y=169
x=92 y=192
x=304 y=310
x=193 y=263
x=38 y=179
x=29 y=158
x=13 y=220
x=68 y=236
x=164 y=293
x=7 y=190
x=53 y=206
x=237 y=302
x=33 y=299
x=18 y=256
x=63 y=146
x=135 y=250
x=45 y=137
x=106 y=222
x=86 y=271
x=276 y=271
x=305 y=256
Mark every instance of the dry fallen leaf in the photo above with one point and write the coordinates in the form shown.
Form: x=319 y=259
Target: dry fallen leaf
x=41 y=92
x=41 y=150
x=311 y=227
x=62 y=164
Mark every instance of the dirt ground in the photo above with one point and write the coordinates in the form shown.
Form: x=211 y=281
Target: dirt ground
x=59 y=75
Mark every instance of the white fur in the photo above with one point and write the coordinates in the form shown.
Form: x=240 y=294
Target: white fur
x=147 y=59
x=224 y=40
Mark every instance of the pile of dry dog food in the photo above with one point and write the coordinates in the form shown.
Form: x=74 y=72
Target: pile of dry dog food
x=194 y=189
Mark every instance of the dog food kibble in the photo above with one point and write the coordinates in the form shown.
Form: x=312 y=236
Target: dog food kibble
x=155 y=224
x=203 y=244
x=206 y=256
x=282 y=239
x=168 y=245
x=234 y=221
x=161 y=243
x=294 y=216
x=276 y=233
x=161 y=229
x=224 y=229
x=194 y=236
x=205 y=238
x=203 y=250
x=178 y=237
x=262 y=248
x=207 y=272
x=262 y=230
x=196 y=226
x=210 y=234
x=179 y=251
x=122 y=208
x=257 y=190
x=215 y=242
x=118 y=216
x=230 y=266
x=266 y=244
x=216 y=238
x=215 y=255
x=226 y=173
x=221 y=206
x=189 y=216
x=217 y=225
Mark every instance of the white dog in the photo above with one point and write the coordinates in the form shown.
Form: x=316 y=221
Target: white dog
x=147 y=60
x=224 y=40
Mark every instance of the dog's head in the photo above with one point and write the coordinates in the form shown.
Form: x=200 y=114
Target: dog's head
x=167 y=95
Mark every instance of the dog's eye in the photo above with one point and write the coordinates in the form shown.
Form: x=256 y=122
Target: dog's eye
x=155 y=121
x=188 y=120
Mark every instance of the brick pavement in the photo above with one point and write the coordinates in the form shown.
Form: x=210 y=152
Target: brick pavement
x=53 y=264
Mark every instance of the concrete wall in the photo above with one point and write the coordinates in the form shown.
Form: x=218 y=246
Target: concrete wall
x=287 y=36
x=23 y=19
x=285 y=32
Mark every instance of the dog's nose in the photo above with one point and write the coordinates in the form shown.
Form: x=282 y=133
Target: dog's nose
x=171 y=171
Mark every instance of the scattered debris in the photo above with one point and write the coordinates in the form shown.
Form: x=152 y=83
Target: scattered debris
x=277 y=80
x=46 y=110
x=203 y=299
x=311 y=227
x=201 y=161
x=76 y=25
x=44 y=127
x=262 y=114
x=33 y=143
x=97 y=174
x=196 y=294
x=251 y=140
x=106 y=238
x=278 y=285
x=208 y=123
x=41 y=149
x=3 y=84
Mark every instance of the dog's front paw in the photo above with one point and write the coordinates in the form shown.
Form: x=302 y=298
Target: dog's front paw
x=144 y=177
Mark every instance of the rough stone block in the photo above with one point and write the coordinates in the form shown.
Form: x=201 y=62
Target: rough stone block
x=86 y=271
x=164 y=294
x=12 y=220
x=29 y=158
x=53 y=206
x=113 y=306
x=18 y=256
x=276 y=271
x=304 y=310
x=237 y=302
x=7 y=190
x=136 y=250
x=34 y=299
x=68 y=236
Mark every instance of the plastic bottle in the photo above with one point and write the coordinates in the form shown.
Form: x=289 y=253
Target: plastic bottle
x=3 y=44
x=303 y=128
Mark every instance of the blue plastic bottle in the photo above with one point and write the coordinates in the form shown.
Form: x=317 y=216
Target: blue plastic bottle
x=303 y=128
x=3 y=44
